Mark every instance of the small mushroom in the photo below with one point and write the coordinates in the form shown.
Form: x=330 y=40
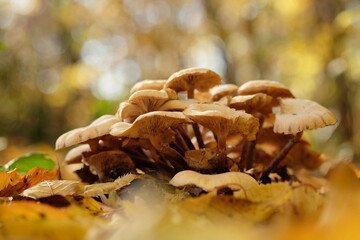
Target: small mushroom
x=222 y=121
x=189 y=79
x=260 y=105
x=254 y=103
x=147 y=85
x=235 y=180
x=223 y=90
x=297 y=115
x=89 y=134
x=141 y=102
x=271 y=88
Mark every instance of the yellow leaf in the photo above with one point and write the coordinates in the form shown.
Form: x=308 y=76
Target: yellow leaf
x=32 y=220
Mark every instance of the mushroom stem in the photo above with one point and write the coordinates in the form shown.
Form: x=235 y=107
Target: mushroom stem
x=198 y=135
x=174 y=158
x=186 y=138
x=190 y=92
x=221 y=144
x=281 y=155
x=251 y=146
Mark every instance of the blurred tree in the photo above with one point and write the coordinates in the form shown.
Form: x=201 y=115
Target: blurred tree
x=62 y=63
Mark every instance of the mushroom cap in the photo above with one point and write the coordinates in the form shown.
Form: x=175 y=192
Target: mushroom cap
x=149 y=124
x=223 y=120
x=177 y=105
x=297 y=115
x=148 y=84
x=97 y=128
x=75 y=154
x=271 y=88
x=210 y=182
x=223 y=90
x=141 y=102
x=256 y=102
x=201 y=79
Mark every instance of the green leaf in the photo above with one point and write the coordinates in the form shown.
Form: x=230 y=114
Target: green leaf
x=31 y=160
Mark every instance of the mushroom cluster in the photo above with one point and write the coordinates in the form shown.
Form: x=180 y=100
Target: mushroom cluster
x=193 y=122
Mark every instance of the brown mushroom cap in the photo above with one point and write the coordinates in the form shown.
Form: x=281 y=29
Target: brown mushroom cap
x=97 y=128
x=223 y=90
x=223 y=120
x=256 y=102
x=271 y=88
x=297 y=115
x=211 y=182
x=148 y=84
x=149 y=124
x=201 y=79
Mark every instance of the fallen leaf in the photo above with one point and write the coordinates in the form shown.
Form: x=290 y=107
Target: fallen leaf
x=24 y=163
x=32 y=220
x=12 y=184
x=53 y=187
x=68 y=187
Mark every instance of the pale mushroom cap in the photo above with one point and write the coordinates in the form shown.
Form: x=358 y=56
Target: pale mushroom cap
x=128 y=112
x=297 y=115
x=223 y=120
x=141 y=102
x=211 y=182
x=75 y=154
x=148 y=84
x=201 y=79
x=271 y=88
x=97 y=128
x=148 y=96
x=259 y=102
x=177 y=105
x=149 y=124
x=223 y=90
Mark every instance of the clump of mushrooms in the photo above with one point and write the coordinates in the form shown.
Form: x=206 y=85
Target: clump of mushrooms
x=216 y=129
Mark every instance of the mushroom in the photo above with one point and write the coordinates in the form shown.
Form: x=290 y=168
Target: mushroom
x=148 y=84
x=271 y=88
x=297 y=115
x=260 y=105
x=223 y=90
x=188 y=80
x=109 y=165
x=222 y=121
x=154 y=126
x=141 y=102
x=208 y=183
x=89 y=134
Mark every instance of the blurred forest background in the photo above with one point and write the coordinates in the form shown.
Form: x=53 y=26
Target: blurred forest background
x=63 y=63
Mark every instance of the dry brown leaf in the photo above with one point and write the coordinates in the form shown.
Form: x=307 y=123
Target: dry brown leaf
x=13 y=184
x=67 y=187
